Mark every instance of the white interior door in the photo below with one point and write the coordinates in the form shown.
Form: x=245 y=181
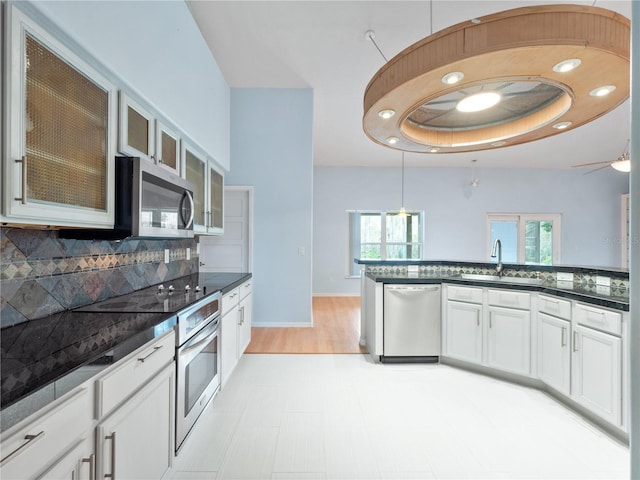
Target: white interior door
x=231 y=252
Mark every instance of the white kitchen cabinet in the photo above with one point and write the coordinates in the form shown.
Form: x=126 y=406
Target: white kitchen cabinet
x=464 y=331
x=597 y=372
x=136 y=132
x=509 y=339
x=143 y=135
x=229 y=335
x=53 y=443
x=245 y=315
x=554 y=356
x=208 y=194
x=237 y=312
x=167 y=152
x=77 y=464
x=60 y=134
x=136 y=440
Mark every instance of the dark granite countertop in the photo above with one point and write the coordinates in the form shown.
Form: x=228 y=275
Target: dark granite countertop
x=43 y=359
x=597 y=295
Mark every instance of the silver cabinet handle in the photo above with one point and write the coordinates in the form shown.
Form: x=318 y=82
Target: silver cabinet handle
x=155 y=349
x=23 y=198
x=30 y=440
x=575 y=341
x=112 y=475
x=92 y=466
x=241 y=321
x=563 y=340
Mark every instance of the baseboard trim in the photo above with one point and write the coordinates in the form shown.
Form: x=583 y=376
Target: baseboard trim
x=336 y=295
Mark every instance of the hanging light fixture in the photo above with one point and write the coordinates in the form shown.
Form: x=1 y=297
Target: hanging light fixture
x=403 y=211
x=500 y=80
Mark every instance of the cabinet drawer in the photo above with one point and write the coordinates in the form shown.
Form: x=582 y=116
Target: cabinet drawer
x=133 y=373
x=599 y=318
x=245 y=289
x=555 y=306
x=464 y=294
x=33 y=448
x=507 y=298
x=230 y=300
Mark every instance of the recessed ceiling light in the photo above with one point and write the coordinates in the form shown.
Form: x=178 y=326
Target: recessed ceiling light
x=434 y=150
x=562 y=125
x=602 y=91
x=392 y=140
x=387 y=113
x=566 y=65
x=452 y=77
x=478 y=102
x=498 y=144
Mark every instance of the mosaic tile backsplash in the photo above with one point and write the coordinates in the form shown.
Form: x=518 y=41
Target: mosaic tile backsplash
x=41 y=274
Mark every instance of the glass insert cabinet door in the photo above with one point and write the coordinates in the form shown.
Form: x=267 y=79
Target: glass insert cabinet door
x=60 y=132
x=136 y=129
x=216 y=198
x=195 y=168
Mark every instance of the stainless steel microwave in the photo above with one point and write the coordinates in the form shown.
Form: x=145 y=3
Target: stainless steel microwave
x=151 y=201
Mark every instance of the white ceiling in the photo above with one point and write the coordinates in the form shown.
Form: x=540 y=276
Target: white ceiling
x=322 y=45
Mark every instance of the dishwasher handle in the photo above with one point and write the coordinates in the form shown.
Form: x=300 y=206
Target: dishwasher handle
x=413 y=288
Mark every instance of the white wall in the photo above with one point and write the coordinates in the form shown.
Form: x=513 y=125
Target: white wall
x=271 y=147
x=455 y=214
x=155 y=51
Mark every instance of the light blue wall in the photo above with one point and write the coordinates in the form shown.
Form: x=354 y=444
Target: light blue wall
x=154 y=50
x=271 y=147
x=455 y=214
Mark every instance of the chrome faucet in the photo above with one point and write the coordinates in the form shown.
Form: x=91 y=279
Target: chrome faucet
x=497 y=246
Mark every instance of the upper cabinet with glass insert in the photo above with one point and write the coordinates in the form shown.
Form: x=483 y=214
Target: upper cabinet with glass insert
x=60 y=132
x=142 y=135
x=208 y=194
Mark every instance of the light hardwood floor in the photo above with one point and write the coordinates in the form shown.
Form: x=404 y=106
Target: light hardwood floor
x=336 y=329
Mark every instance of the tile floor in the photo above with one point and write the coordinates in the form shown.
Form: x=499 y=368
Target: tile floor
x=307 y=417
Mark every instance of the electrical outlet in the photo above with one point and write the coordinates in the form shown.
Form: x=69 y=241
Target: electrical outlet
x=301 y=251
x=603 y=281
x=198 y=248
x=166 y=255
x=412 y=268
x=188 y=253
x=565 y=277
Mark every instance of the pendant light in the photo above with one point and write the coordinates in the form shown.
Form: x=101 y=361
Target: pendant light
x=403 y=211
x=552 y=69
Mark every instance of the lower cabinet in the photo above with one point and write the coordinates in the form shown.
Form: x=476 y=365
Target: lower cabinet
x=554 y=357
x=228 y=341
x=77 y=464
x=55 y=444
x=136 y=440
x=509 y=340
x=237 y=313
x=244 y=323
x=597 y=372
x=464 y=331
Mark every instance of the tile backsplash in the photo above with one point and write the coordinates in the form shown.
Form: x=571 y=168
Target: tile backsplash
x=42 y=274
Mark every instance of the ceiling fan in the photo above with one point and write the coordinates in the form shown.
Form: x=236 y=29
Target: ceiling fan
x=622 y=163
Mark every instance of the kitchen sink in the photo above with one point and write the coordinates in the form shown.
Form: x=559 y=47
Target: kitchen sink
x=498 y=278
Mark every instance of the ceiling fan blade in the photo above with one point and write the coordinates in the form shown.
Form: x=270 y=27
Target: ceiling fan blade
x=609 y=162
x=595 y=169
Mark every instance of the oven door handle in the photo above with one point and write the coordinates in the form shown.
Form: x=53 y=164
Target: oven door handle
x=186 y=349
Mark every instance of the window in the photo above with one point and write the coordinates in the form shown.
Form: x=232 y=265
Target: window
x=383 y=236
x=525 y=238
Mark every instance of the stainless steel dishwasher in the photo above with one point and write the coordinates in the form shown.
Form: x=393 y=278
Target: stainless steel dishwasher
x=411 y=323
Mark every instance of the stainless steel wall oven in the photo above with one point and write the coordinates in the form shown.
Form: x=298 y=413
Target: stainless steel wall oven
x=197 y=361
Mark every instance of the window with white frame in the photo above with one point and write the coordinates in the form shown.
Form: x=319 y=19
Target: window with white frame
x=380 y=235
x=532 y=239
